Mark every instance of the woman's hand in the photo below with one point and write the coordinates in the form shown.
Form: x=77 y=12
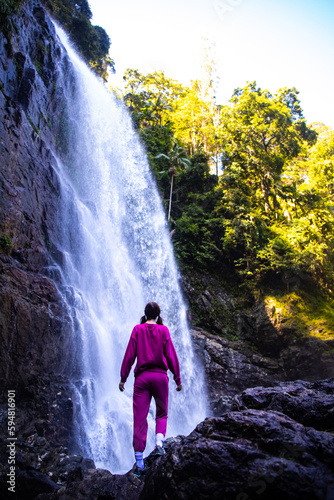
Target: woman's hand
x=179 y=388
x=121 y=386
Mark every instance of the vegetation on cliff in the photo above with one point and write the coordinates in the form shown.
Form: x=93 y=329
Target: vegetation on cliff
x=257 y=197
x=7 y=10
x=91 y=41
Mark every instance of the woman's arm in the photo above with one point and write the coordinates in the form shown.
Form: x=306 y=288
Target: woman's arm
x=172 y=361
x=128 y=360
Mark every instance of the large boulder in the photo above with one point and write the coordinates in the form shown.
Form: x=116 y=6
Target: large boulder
x=231 y=367
x=241 y=455
x=246 y=455
x=311 y=404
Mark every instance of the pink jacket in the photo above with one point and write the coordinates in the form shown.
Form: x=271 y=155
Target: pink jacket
x=154 y=349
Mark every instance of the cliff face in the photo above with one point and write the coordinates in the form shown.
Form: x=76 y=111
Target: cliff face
x=249 y=347
x=33 y=322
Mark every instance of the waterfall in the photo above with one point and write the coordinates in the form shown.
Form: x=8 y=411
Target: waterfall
x=116 y=256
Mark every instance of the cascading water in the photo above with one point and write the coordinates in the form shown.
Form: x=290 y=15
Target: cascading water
x=117 y=256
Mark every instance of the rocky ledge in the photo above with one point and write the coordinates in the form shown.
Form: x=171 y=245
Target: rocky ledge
x=253 y=452
x=232 y=366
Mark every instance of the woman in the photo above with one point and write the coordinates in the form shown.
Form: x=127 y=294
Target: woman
x=151 y=344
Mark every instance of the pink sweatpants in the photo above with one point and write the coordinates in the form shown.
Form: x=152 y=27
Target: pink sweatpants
x=148 y=384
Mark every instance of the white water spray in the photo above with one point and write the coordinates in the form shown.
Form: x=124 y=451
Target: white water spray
x=117 y=256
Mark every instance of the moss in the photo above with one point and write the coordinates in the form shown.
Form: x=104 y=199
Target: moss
x=6 y=243
x=306 y=312
x=36 y=129
x=219 y=314
x=41 y=48
x=8 y=9
x=46 y=121
x=39 y=68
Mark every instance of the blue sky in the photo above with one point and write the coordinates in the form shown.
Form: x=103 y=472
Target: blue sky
x=278 y=43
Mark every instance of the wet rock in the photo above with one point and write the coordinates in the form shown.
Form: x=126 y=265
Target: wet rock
x=26 y=87
x=33 y=330
x=231 y=367
x=311 y=404
x=280 y=351
x=34 y=327
x=245 y=455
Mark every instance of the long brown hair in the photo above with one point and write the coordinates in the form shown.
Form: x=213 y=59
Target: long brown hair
x=152 y=311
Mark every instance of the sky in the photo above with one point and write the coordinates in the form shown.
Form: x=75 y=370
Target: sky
x=278 y=43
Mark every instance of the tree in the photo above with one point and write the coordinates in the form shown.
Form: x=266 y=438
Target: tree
x=178 y=159
x=150 y=98
x=262 y=134
x=92 y=41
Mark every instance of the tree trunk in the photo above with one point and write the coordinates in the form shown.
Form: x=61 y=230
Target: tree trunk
x=170 y=196
x=265 y=191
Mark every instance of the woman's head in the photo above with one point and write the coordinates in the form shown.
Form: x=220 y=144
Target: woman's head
x=152 y=311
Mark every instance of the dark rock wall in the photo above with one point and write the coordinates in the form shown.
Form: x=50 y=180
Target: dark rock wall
x=232 y=366
x=35 y=330
x=242 y=345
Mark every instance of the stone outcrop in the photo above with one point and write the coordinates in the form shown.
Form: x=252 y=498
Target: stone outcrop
x=311 y=404
x=35 y=329
x=244 y=454
x=232 y=366
x=242 y=345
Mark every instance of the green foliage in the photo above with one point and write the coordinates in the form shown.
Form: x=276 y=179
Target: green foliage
x=8 y=8
x=92 y=41
x=261 y=137
x=150 y=98
x=305 y=312
x=34 y=126
x=6 y=243
x=270 y=214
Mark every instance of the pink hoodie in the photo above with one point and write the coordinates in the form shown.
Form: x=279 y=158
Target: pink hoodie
x=154 y=349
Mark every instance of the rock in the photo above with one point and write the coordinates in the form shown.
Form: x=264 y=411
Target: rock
x=311 y=404
x=230 y=367
x=251 y=330
x=308 y=358
x=245 y=455
x=101 y=484
x=31 y=483
x=26 y=87
x=35 y=333
x=256 y=326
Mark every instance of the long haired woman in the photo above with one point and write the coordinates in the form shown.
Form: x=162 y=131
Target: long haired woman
x=151 y=344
